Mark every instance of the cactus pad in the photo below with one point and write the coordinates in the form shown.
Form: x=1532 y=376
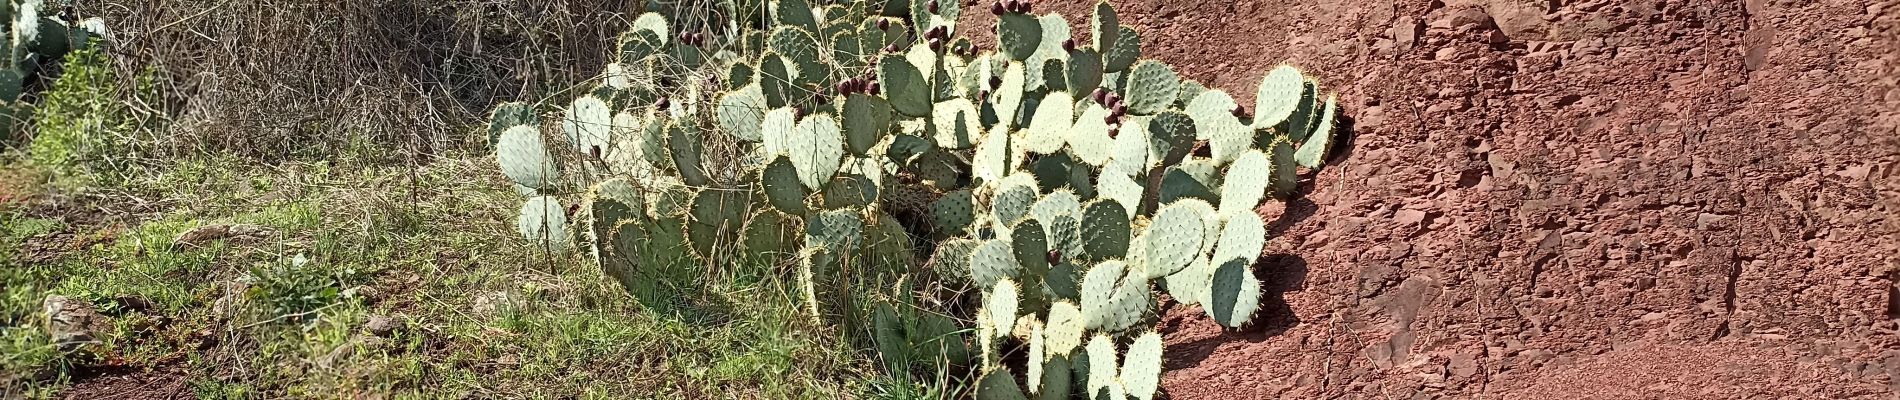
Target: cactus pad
x=776 y=80
x=1050 y=126
x=954 y=213
x=1278 y=95
x=992 y=158
x=1057 y=203
x=1008 y=99
x=505 y=116
x=1151 y=87
x=1305 y=113
x=1104 y=230
x=1214 y=121
x=836 y=230
x=782 y=189
x=1171 y=136
x=1089 y=138
x=816 y=148
x=1000 y=303
x=587 y=124
x=1245 y=183
x=1123 y=190
x=952 y=259
x=850 y=190
x=655 y=24
x=766 y=237
x=904 y=85
x=1102 y=369
x=1084 y=72
x=1019 y=35
x=998 y=384
x=524 y=158
x=1141 y=366
x=740 y=113
x=716 y=217
x=993 y=261
x=1284 y=173
x=1063 y=333
x=1312 y=153
x=543 y=221
x=1012 y=201
x=956 y=124
x=1174 y=239
x=1234 y=293
x=1127 y=49
x=866 y=121
x=1030 y=243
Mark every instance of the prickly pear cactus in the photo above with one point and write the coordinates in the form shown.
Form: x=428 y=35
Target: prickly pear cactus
x=1057 y=180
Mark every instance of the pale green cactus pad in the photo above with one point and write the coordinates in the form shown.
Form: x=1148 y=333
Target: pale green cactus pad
x=1104 y=25
x=837 y=230
x=505 y=116
x=1063 y=332
x=1246 y=182
x=1151 y=87
x=1141 y=366
x=524 y=158
x=1102 y=374
x=1113 y=298
x=1000 y=302
x=1123 y=190
x=1089 y=139
x=587 y=124
x=952 y=259
x=1050 y=126
x=1235 y=292
x=956 y=124
x=777 y=80
x=1278 y=95
x=656 y=25
x=543 y=221
x=1214 y=121
x=1057 y=203
x=1312 y=153
x=993 y=261
x=991 y=161
x=816 y=147
x=1174 y=239
x=1299 y=125
x=740 y=113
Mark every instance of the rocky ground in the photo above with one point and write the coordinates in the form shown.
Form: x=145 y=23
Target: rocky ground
x=1564 y=199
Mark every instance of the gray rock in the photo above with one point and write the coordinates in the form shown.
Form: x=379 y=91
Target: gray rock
x=381 y=325
x=71 y=323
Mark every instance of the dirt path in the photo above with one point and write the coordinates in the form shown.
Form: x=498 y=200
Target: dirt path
x=1564 y=200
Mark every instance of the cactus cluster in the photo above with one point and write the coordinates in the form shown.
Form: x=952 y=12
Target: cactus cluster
x=1063 y=179
x=36 y=34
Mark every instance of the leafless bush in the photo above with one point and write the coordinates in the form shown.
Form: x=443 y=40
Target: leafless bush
x=290 y=79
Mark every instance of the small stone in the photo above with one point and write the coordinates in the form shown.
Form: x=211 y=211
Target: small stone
x=204 y=235
x=71 y=323
x=381 y=325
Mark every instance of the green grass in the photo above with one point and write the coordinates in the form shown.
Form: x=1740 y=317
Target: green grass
x=483 y=316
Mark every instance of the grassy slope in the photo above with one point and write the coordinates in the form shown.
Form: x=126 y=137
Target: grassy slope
x=430 y=247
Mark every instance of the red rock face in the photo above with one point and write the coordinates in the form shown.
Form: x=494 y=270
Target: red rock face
x=1623 y=200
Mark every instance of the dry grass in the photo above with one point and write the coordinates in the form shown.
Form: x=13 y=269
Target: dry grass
x=305 y=79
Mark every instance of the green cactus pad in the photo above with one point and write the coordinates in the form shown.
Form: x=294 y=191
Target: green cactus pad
x=1104 y=25
x=602 y=213
x=1127 y=49
x=887 y=247
x=1049 y=128
x=956 y=124
x=1030 y=243
x=1246 y=182
x=741 y=112
x=683 y=143
x=543 y=221
x=1057 y=203
x=837 y=230
x=1128 y=152
x=904 y=85
x=1243 y=235
x=656 y=25
x=1001 y=301
x=849 y=190
x=777 y=80
x=991 y=161
x=1141 y=366
x=1234 y=293
x=1045 y=65
x=1084 y=72
x=716 y=217
x=816 y=148
x=1101 y=309
x=505 y=116
x=1019 y=35
x=1088 y=138
x=953 y=213
x=1171 y=137
x=1104 y=230
x=1123 y=190
x=524 y=158
x=893 y=346
x=1008 y=98
x=1065 y=233
x=1214 y=121
x=1012 y=201
x=1151 y=87
x=1285 y=172
x=1278 y=95
x=767 y=237
x=1058 y=171
x=1175 y=236
x=1306 y=112
x=867 y=120
x=740 y=75
x=1102 y=369
x=993 y=261
x=1190 y=89
x=1191 y=285
x=796 y=13
x=998 y=384
x=1188 y=180
x=1312 y=153
x=1057 y=384
x=952 y=259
